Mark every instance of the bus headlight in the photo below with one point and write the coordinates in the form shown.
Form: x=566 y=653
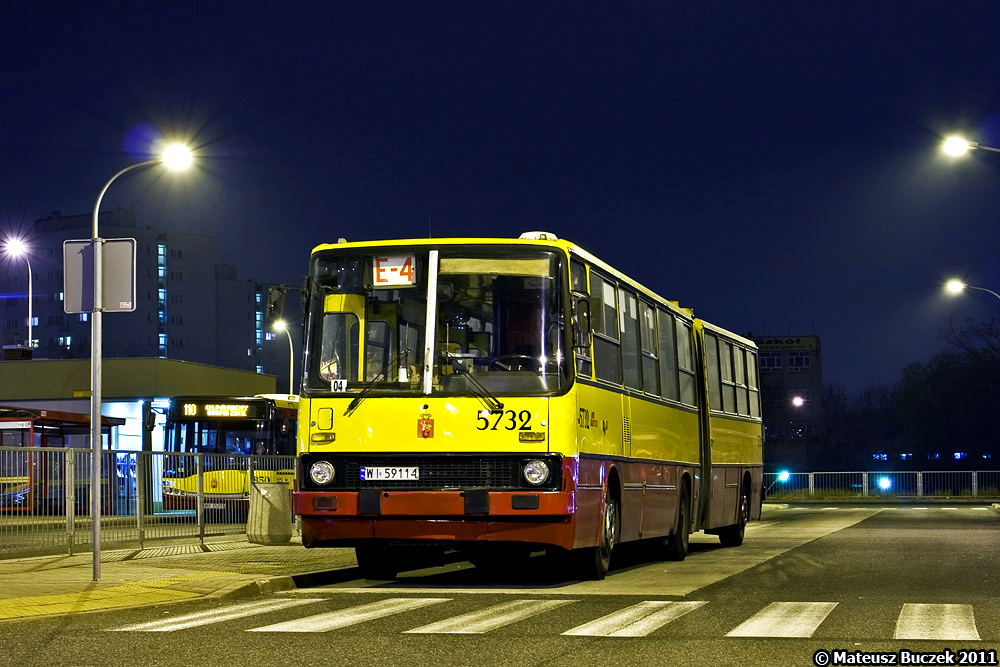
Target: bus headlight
x=321 y=472
x=536 y=472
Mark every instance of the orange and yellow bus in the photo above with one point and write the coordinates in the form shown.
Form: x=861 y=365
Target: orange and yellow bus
x=500 y=396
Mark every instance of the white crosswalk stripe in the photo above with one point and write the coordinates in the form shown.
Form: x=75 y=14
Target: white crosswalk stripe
x=936 y=621
x=351 y=616
x=635 y=621
x=491 y=618
x=201 y=618
x=785 y=619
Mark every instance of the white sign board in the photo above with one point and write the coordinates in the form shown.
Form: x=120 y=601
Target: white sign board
x=117 y=276
x=394 y=271
x=4 y=425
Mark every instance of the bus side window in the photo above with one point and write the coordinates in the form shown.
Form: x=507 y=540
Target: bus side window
x=714 y=381
x=607 y=349
x=668 y=355
x=685 y=363
x=628 y=315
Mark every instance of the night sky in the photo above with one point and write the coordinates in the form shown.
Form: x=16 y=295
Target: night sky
x=774 y=166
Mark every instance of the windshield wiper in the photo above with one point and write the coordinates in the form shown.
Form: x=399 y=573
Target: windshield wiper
x=492 y=403
x=371 y=386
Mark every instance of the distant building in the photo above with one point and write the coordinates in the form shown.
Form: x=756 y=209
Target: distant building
x=791 y=381
x=188 y=306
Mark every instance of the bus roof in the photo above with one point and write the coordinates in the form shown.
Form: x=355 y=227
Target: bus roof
x=544 y=239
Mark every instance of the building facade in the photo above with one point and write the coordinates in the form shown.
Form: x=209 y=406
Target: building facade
x=791 y=380
x=188 y=306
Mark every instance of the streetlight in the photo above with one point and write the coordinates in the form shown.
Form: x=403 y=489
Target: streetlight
x=281 y=325
x=956 y=286
x=16 y=247
x=958 y=146
x=175 y=157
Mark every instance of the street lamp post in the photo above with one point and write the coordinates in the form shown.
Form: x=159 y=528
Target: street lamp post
x=18 y=248
x=281 y=325
x=175 y=157
x=957 y=287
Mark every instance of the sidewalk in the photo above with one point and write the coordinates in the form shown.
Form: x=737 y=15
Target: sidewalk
x=44 y=585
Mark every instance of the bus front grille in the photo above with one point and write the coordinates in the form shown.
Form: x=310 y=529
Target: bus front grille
x=435 y=472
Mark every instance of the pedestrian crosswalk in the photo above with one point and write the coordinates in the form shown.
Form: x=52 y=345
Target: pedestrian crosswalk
x=914 y=621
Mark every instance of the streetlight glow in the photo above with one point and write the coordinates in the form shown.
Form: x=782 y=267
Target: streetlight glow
x=15 y=247
x=177 y=157
x=956 y=146
x=798 y=401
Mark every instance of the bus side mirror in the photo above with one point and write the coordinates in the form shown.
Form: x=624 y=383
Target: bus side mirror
x=275 y=307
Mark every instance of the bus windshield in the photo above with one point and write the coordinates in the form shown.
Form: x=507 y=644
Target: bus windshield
x=212 y=437
x=498 y=315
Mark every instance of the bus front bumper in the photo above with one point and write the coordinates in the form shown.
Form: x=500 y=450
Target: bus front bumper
x=349 y=517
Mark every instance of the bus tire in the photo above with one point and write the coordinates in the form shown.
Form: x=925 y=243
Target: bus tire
x=377 y=561
x=592 y=563
x=676 y=547
x=732 y=536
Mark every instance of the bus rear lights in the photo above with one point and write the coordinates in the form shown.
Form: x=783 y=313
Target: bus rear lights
x=321 y=472
x=531 y=436
x=323 y=438
x=536 y=472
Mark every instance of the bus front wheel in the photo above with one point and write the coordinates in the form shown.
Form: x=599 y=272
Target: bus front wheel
x=593 y=562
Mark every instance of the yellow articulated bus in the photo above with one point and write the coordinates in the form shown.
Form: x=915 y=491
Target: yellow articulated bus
x=227 y=431
x=500 y=396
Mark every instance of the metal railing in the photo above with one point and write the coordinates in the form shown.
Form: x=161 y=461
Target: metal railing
x=964 y=484
x=45 y=497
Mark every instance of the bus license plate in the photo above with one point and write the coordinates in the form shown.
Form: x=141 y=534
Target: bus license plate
x=379 y=473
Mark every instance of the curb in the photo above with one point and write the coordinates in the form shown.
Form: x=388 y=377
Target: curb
x=286 y=582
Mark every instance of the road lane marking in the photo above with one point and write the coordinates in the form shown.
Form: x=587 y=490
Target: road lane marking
x=350 y=616
x=785 y=619
x=936 y=621
x=635 y=621
x=201 y=618
x=491 y=618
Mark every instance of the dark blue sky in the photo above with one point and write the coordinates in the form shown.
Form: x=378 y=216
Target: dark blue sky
x=773 y=165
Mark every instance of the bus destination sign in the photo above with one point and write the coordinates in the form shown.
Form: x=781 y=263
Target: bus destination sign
x=216 y=410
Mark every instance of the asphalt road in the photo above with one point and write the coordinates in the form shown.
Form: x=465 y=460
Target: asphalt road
x=844 y=579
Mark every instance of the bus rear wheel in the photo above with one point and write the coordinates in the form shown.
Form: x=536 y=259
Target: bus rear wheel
x=377 y=561
x=676 y=547
x=593 y=562
x=732 y=536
